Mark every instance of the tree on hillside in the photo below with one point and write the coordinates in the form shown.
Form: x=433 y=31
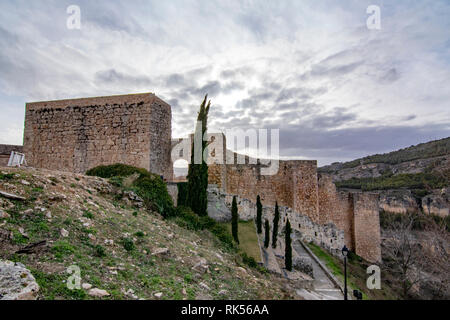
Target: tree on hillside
x=234 y=220
x=288 y=247
x=403 y=253
x=276 y=219
x=258 y=214
x=267 y=234
x=197 y=197
x=417 y=258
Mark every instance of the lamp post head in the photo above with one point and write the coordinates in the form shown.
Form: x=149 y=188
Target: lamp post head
x=345 y=251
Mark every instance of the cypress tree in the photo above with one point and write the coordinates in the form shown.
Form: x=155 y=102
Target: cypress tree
x=258 y=214
x=288 y=247
x=267 y=234
x=276 y=218
x=234 y=220
x=197 y=195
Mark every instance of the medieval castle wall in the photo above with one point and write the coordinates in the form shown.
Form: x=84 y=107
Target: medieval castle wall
x=318 y=212
x=356 y=213
x=79 y=134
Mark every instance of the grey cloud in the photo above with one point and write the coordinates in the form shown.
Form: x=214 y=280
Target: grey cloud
x=410 y=117
x=237 y=72
x=112 y=76
x=233 y=85
x=355 y=142
x=334 y=119
x=390 y=76
x=287 y=106
x=322 y=70
x=175 y=80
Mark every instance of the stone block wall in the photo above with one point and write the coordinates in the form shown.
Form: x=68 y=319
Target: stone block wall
x=78 y=134
x=306 y=196
x=355 y=213
x=367 y=226
x=5 y=152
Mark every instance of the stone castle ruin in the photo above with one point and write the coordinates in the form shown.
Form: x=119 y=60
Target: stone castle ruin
x=78 y=134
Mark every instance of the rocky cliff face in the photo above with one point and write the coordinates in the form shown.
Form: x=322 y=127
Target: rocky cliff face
x=432 y=158
x=404 y=201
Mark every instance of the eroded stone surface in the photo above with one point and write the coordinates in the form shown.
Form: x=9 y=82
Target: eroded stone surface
x=16 y=282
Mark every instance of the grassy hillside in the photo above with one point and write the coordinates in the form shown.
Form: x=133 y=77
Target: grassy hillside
x=120 y=246
x=248 y=240
x=419 y=181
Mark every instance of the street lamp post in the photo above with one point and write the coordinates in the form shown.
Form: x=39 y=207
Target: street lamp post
x=344 y=253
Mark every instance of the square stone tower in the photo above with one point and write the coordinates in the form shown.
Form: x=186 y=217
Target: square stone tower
x=78 y=134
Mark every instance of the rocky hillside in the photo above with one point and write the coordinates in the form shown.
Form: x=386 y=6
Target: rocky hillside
x=413 y=179
x=433 y=155
x=52 y=221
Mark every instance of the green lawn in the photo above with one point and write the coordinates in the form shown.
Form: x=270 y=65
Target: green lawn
x=248 y=241
x=357 y=275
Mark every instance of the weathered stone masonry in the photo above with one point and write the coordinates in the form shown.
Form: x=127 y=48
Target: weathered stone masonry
x=79 y=134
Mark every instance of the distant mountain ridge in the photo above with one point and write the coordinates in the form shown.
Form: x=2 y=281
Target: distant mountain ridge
x=425 y=150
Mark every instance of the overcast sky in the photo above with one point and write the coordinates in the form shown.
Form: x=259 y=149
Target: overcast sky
x=334 y=88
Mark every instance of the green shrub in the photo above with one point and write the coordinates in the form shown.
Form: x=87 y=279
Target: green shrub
x=182 y=194
x=258 y=214
x=250 y=261
x=128 y=244
x=62 y=248
x=149 y=186
x=223 y=235
x=19 y=238
x=152 y=189
x=116 y=170
x=266 y=234
x=185 y=217
x=288 y=247
x=100 y=251
x=234 y=220
x=139 y=234
x=188 y=219
x=116 y=181
x=7 y=176
x=88 y=214
x=276 y=219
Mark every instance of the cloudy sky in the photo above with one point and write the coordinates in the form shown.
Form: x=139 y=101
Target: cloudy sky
x=335 y=89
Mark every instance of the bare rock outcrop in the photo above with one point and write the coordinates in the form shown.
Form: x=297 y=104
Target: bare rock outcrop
x=16 y=282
